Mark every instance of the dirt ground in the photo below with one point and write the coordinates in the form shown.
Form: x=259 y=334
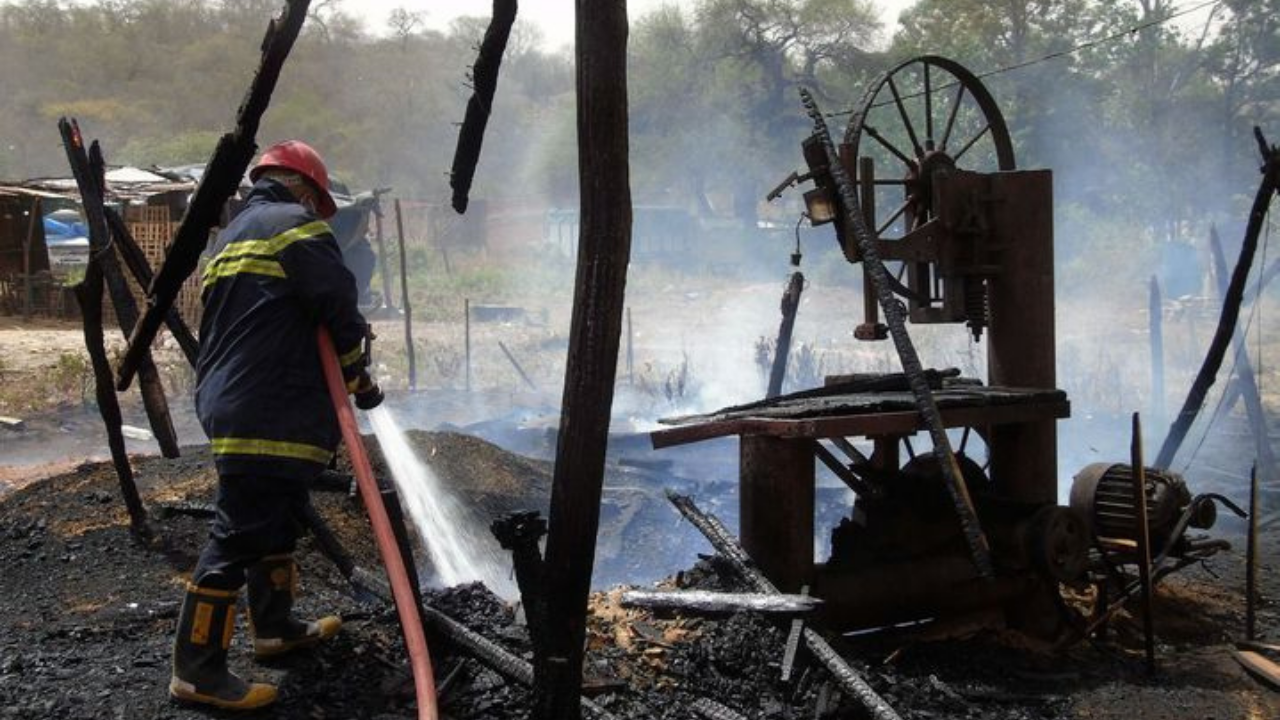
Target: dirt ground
x=89 y=612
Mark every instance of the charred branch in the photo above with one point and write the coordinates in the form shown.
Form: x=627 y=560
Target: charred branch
x=89 y=294
x=88 y=173
x=790 y=305
x=1230 y=305
x=485 y=75
x=726 y=545
x=225 y=169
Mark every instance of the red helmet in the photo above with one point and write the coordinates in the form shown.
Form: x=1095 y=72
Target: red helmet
x=301 y=158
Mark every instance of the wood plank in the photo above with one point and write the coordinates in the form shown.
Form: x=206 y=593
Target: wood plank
x=1259 y=667
x=877 y=424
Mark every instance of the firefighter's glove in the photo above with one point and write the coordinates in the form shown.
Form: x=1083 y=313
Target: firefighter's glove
x=368 y=394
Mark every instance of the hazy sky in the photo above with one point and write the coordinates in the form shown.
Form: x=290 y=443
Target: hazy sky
x=555 y=17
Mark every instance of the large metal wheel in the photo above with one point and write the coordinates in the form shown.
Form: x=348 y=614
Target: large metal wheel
x=926 y=115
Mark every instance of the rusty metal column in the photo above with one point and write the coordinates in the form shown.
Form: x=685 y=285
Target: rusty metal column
x=775 y=507
x=1021 y=352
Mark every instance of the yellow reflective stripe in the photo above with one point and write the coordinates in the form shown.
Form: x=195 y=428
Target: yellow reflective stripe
x=257 y=256
x=353 y=384
x=271 y=448
x=212 y=592
x=255 y=266
x=200 y=623
x=272 y=246
x=351 y=356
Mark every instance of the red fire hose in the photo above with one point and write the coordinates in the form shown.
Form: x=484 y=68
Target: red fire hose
x=406 y=605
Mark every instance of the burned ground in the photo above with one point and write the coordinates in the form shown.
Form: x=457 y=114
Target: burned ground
x=89 y=611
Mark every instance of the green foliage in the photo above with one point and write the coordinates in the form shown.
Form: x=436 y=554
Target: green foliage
x=169 y=149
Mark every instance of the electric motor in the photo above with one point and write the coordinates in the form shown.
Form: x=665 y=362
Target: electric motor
x=1103 y=493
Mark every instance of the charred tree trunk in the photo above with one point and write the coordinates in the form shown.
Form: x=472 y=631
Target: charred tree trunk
x=405 y=307
x=604 y=250
x=485 y=76
x=89 y=180
x=222 y=177
x=89 y=295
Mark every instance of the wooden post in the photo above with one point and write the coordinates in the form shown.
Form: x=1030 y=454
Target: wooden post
x=604 y=250
x=88 y=169
x=222 y=177
x=790 y=304
x=26 y=259
x=382 y=250
x=404 y=300
x=1155 y=321
x=89 y=295
x=466 y=340
x=1142 y=535
x=631 y=358
x=1246 y=382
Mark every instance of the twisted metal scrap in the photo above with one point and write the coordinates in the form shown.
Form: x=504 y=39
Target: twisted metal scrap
x=852 y=684
x=895 y=314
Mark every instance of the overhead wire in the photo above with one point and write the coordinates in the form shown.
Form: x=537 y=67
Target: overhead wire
x=1059 y=53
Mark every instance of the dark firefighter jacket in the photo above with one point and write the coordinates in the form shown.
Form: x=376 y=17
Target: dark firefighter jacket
x=275 y=273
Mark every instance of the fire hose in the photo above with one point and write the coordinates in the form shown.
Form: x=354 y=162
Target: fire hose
x=401 y=589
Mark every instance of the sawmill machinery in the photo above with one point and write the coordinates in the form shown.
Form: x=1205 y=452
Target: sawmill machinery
x=924 y=194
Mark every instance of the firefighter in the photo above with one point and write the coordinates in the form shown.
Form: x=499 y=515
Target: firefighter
x=274 y=275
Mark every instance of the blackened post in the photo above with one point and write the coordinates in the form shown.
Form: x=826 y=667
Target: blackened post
x=1230 y=306
x=89 y=295
x=520 y=533
x=790 y=304
x=222 y=177
x=1142 y=533
x=88 y=173
x=516 y=364
x=404 y=300
x=604 y=250
x=1155 y=321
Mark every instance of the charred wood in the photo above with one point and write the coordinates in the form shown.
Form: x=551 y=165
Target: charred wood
x=88 y=173
x=604 y=250
x=89 y=295
x=849 y=680
x=485 y=76
x=1230 y=305
x=138 y=266
x=790 y=305
x=225 y=169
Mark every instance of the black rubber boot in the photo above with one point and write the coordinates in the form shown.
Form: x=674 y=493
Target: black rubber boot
x=200 y=675
x=272 y=583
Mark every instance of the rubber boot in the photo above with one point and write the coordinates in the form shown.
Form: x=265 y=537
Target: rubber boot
x=272 y=584
x=200 y=675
